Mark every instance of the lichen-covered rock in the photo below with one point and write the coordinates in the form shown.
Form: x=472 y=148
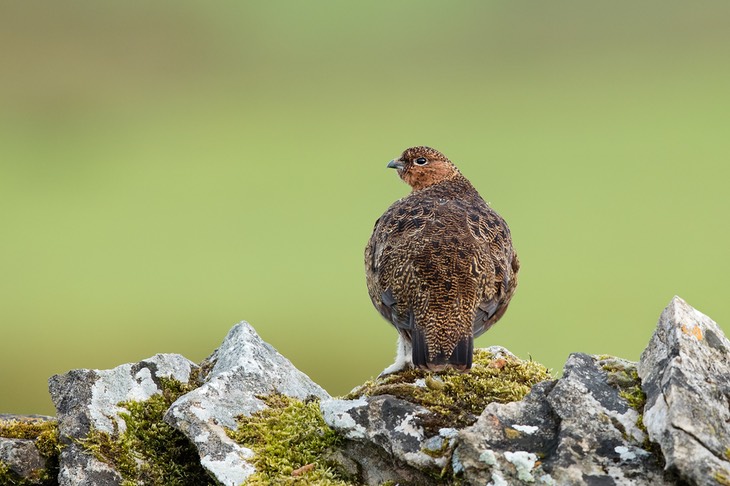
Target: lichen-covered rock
x=579 y=430
x=88 y=403
x=413 y=417
x=508 y=435
x=243 y=367
x=394 y=426
x=507 y=422
x=685 y=373
x=28 y=449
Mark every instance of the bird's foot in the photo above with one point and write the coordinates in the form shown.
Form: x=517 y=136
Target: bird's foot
x=395 y=368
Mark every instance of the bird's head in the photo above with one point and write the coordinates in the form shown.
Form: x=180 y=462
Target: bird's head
x=421 y=167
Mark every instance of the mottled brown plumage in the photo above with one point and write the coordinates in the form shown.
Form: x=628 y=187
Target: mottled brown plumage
x=440 y=264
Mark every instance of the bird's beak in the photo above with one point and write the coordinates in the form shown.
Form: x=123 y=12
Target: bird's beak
x=395 y=164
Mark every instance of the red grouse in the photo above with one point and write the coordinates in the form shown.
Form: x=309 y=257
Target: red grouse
x=440 y=264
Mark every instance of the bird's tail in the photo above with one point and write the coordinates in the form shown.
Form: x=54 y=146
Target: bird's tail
x=460 y=358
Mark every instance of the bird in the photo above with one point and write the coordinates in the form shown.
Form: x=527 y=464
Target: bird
x=440 y=265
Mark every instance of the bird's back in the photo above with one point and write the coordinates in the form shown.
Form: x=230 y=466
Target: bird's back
x=440 y=267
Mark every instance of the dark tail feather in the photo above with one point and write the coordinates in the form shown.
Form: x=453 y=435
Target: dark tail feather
x=461 y=357
x=420 y=348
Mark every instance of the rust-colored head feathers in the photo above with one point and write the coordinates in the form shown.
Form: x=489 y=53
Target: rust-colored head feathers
x=421 y=167
x=440 y=264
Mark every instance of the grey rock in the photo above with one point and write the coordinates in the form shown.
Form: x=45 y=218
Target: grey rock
x=523 y=429
x=384 y=436
x=21 y=456
x=244 y=366
x=578 y=430
x=685 y=372
x=86 y=399
x=392 y=439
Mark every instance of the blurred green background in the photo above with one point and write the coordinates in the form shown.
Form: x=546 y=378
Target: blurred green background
x=169 y=169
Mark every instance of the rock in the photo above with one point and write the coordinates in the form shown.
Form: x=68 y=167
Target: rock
x=685 y=373
x=87 y=400
x=419 y=440
x=244 y=366
x=579 y=430
x=21 y=459
x=606 y=421
x=386 y=439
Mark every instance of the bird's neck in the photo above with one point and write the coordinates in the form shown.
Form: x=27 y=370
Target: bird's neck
x=425 y=180
x=455 y=181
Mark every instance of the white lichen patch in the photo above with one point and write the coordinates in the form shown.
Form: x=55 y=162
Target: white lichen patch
x=420 y=383
x=448 y=433
x=547 y=480
x=232 y=470
x=422 y=460
x=408 y=427
x=456 y=465
x=524 y=462
x=525 y=429
x=433 y=444
x=497 y=479
x=336 y=414
x=122 y=384
x=630 y=453
x=173 y=366
x=488 y=457
x=202 y=437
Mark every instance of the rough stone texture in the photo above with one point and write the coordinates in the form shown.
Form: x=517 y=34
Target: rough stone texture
x=386 y=439
x=244 y=366
x=21 y=456
x=574 y=431
x=578 y=430
x=89 y=398
x=685 y=372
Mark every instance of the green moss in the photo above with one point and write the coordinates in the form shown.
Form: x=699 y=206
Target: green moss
x=456 y=398
x=291 y=442
x=722 y=479
x=150 y=451
x=45 y=435
x=623 y=375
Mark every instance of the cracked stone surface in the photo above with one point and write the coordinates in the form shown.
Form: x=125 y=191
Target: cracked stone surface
x=384 y=426
x=241 y=368
x=577 y=430
x=685 y=372
x=593 y=426
x=89 y=398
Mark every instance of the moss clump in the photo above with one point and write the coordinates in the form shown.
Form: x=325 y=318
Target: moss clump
x=456 y=398
x=44 y=433
x=722 y=479
x=149 y=451
x=291 y=441
x=623 y=375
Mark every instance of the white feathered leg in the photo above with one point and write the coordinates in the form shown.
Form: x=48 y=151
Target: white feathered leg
x=403 y=357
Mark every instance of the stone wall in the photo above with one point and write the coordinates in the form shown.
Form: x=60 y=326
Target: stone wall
x=247 y=415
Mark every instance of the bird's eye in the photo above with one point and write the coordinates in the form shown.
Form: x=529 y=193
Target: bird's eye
x=421 y=161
